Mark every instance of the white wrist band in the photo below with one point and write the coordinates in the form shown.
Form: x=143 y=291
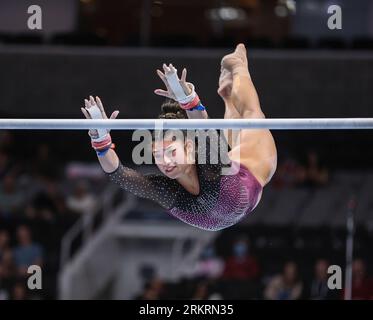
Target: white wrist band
x=178 y=90
x=95 y=113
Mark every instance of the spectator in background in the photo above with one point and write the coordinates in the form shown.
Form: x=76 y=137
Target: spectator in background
x=209 y=265
x=362 y=284
x=81 y=201
x=201 y=292
x=7 y=263
x=315 y=175
x=318 y=289
x=288 y=174
x=241 y=265
x=19 y=291
x=11 y=200
x=5 y=164
x=49 y=201
x=4 y=276
x=7 y=141
x=206 y=290
x=27 y=252
x=45 y=165
x=285 y=286
x=7 y=273
x=4 y=242
x=4 y=294
x=153 y=290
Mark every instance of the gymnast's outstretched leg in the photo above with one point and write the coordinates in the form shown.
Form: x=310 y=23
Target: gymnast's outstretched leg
x=225 y=91
x=254 y=148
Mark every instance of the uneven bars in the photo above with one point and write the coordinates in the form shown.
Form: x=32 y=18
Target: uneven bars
x=133 y=124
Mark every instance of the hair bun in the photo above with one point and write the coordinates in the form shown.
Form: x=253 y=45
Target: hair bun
x=170 y=109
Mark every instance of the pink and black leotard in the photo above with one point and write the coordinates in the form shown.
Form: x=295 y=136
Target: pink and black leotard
x=223 y=201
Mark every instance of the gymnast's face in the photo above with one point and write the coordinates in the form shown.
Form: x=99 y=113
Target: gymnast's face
x=172 y=157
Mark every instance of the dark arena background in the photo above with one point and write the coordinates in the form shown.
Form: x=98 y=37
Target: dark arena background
x=93 y=240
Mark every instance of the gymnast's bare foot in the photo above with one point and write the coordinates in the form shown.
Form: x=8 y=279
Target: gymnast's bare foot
x=236 y=62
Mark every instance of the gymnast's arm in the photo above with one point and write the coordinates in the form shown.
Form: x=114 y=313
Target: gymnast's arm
x=153 y=187
x=109 y=162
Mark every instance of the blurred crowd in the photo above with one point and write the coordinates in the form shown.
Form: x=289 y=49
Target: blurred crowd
x=310 y=172
x=240 y=276
x=41 y=197
x=36 y=209
x=15 y=262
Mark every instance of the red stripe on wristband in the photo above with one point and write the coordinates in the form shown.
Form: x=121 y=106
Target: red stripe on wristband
x=102 y=144
x=190 y=105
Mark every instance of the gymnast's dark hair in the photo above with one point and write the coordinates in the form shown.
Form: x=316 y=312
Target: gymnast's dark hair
x=170 y=109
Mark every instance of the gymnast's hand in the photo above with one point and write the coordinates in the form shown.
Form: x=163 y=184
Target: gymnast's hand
x=94 y=109
x=178 y=89
x=170 y=71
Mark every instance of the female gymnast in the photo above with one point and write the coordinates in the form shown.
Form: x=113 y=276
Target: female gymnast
x=198 y=193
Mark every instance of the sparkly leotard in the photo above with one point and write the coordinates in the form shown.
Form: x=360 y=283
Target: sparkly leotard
x=224 y=199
